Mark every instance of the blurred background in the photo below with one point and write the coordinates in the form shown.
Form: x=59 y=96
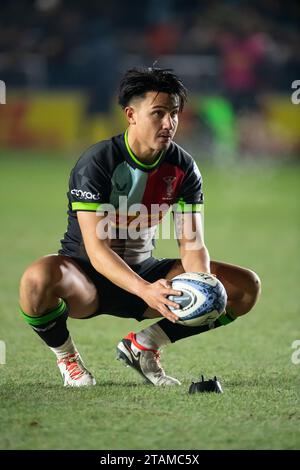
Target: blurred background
x=61 y=62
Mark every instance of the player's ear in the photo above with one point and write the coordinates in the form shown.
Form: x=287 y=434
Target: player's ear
x=130 y=114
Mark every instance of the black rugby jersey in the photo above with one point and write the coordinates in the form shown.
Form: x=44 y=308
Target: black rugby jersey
x=108 y=178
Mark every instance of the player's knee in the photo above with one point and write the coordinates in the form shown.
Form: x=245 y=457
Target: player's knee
x=34 y=285
x=251 y=294
x=254 y=285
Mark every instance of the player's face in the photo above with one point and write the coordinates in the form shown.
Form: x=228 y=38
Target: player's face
x=155 y=119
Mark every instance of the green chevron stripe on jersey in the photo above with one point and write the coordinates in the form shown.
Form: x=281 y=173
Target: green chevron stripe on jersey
x=129 y=182
x=85 y=206
x=148 y=166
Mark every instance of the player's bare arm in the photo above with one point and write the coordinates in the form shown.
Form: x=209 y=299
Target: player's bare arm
x=193 y=252
x=113 y=267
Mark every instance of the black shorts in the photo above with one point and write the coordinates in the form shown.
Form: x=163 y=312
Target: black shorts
x=116 y=301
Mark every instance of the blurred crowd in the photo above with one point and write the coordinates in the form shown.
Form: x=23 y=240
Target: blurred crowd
x=236 y=49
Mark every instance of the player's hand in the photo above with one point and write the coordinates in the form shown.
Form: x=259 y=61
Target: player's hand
x=155 y=295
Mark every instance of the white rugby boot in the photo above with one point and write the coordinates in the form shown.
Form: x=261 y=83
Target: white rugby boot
x=145 y=361
x=74 y=372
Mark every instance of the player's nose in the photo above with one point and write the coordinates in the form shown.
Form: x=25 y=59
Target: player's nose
x=167 y=122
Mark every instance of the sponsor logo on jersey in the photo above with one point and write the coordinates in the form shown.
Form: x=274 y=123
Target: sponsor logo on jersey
x=85 y=194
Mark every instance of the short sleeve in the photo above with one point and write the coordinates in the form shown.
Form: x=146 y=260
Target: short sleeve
x=190 y=197
x=89 y=186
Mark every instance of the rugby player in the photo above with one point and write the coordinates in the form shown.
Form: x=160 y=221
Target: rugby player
x=105 y=268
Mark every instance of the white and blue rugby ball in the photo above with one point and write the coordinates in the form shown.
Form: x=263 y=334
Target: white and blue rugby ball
x=202 y=301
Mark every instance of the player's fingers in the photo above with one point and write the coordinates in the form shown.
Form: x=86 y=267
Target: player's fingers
x=171 y=303
x=170 y=315
x=165 y=283
x=166 y=301
x=167 y=313
x=170 y=291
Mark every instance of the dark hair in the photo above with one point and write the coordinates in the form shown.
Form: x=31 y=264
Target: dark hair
x=138 y=81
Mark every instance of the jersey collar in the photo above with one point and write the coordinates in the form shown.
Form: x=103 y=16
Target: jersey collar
x=136 y=162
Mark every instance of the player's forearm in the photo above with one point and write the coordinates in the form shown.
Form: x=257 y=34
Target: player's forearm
x=195 y=260
x=110 y=265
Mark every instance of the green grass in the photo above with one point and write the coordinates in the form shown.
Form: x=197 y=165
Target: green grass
x=252 y=219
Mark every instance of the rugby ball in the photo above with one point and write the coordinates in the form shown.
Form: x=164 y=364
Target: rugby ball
x=202 y=301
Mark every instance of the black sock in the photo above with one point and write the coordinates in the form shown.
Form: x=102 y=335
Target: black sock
x=51 y=327
x=175 y=331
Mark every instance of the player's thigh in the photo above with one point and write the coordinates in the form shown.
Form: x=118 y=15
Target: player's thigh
x=175 y=270
x=57 y=276
x=239 y=282
x=78 y=289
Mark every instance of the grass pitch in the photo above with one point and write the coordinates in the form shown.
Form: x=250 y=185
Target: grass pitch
x=252 y=219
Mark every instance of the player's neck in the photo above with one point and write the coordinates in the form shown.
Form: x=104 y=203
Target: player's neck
x=141 y=150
